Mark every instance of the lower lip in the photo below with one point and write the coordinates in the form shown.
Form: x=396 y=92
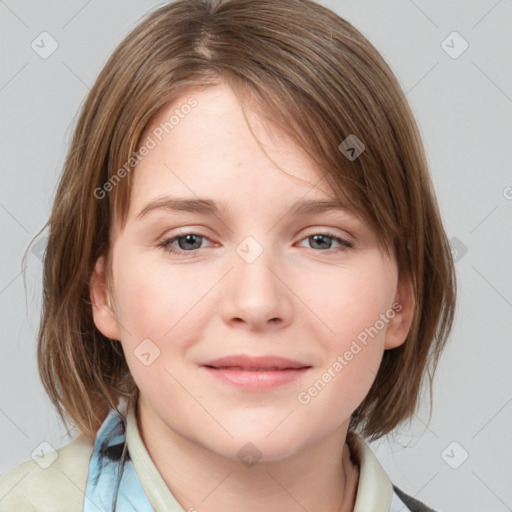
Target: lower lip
x=256 y=380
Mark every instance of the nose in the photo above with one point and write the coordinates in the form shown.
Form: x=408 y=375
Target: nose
x=255 y=294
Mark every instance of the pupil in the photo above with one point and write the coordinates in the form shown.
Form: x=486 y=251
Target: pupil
x=188 y=239
x=316 y=237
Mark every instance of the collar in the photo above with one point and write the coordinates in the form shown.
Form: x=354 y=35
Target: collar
x=112 y=482
x=122 y=473
x=374 y=490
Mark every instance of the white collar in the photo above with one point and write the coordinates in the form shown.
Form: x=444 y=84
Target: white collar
x=374 y=489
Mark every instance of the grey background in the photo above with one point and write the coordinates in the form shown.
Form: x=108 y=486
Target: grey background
x=463 y=108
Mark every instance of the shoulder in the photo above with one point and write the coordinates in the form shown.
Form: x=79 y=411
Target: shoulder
x=55 y=482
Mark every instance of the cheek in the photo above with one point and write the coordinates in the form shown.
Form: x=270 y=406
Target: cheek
x=152 y=299
x=163 y=305
x=352 y=300
x=150 y=306
x=356 y=309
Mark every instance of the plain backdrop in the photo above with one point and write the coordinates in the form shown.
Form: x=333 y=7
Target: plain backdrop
x=460 y=89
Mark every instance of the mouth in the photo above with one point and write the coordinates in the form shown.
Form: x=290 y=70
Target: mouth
x=258 y=373
x=256 y=363
x=251 y=369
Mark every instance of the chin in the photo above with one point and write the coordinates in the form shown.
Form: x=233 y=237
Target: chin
x=255 y=450
x=261 y=440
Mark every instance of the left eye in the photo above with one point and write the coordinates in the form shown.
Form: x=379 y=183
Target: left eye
x=191 y=242
x=320 y=239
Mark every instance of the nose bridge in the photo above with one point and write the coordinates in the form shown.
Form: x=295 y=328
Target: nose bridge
x=255 y=294
x=253 y=276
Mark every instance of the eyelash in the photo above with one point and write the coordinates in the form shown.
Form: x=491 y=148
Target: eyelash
x=166 y=244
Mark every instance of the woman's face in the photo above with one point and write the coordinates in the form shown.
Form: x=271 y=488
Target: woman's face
x=263 y=278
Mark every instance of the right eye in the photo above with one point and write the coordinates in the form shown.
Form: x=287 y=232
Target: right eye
x=187 y=242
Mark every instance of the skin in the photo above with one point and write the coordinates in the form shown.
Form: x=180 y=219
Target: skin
x=299 y=299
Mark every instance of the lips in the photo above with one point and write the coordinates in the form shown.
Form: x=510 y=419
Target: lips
x=255 y=373
x=255 y=363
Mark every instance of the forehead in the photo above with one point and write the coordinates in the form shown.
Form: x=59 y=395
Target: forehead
x=215 y=151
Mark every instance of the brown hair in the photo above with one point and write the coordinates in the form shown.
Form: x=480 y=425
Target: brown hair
x=317 y=78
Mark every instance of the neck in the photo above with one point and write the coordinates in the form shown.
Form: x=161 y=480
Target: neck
x=319 y=477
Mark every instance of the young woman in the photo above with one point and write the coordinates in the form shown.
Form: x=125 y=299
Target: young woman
x=246 y=274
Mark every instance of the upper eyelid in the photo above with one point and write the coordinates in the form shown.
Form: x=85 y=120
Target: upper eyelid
x=312 y=230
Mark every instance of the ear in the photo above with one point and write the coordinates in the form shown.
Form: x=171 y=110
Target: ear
x=403 y=307
x=102 y=312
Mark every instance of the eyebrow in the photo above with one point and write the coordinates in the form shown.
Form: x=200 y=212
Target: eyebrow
x=210 y=207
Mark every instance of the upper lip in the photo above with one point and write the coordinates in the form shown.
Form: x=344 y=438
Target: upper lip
x=243 y=361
